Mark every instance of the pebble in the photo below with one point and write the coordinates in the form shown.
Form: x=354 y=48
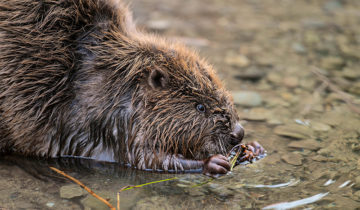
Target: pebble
x=298 y=48
x=274 y=78
x=158 y=24
x=313 y=23
x=237 y=60
x=332 y=5
x=272 y=159
x=355 y=89
x=256 y=114
x=319 y=158
x=247 y=98
x=158 y=202
x=318 y=126
x=357 y=195
x=90 y=202
x=332 y=63
x=293 y=159
x=274 y=121
x=357 y=183
x=309 y=144
x=311 y=38
x=50 y=204
x=71 y=191
x=191 y=41
x=252 y=73
x=294 y=131
x=351 y=73
x=291 y=82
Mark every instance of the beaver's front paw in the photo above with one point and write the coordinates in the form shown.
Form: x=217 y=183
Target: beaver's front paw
x=217 y=164
x=256 y=148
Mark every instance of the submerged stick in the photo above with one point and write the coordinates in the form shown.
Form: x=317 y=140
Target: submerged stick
x=141 y=185
x=83 y=186
x=129 y=187
x=344 y=96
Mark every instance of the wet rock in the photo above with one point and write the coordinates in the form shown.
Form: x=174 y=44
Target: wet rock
x=276 y=102
x=71 y=191
x=274 y=121
x=355 y=89
x=309 y=144
x=293 y=159
x=356 y=147
x=266 y=61
x=251 y=73
x=333 y=118
x=351 y=73
x=274 y=78
x=90 y=202
x=158 y=24
x=151 y=202
x=291 y=82
x=247 y=98
x=191 y=41
x=193 y=192
x=311 y=38
x=256 y=114
x=319 y=158
x=325 y=151
x=298 y=48
x=320 y=173
x=237 y=60
x=272 y=159
x=294 y=131
x=313 y=23
x=332 y=63
x=357 y=183
x=307 y=84
x=357 y=195
x=318 y=126
x=332 y=5
x=221 y=192
x=50 y=204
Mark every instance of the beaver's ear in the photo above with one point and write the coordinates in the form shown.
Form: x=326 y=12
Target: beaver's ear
x=158 y=78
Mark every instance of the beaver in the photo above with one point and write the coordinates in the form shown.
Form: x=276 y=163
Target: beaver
x=77 y=78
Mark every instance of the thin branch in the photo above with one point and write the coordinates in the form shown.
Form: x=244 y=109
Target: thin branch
x=344 y=96
x=83 y=186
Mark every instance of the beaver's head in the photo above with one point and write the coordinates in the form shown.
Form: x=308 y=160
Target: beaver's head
x=152 y=96
x=185 y=109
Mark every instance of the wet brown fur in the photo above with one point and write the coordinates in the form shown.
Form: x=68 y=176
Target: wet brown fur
x=78 y=79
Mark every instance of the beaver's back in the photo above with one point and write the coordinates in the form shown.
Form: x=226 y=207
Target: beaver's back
x=39 y=58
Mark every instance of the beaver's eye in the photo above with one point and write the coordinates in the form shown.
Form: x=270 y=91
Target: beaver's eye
x=200 y=108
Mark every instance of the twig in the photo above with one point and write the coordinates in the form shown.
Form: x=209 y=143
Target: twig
x=344 y=96
x=129 y=187
x=316 y=94
x=83 y=186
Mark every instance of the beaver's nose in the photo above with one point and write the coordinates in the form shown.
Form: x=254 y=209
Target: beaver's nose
x=237 y=134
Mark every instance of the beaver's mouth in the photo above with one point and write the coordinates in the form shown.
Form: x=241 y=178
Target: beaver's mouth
x=216 y=145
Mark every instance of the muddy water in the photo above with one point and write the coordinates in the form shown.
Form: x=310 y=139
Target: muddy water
x=293 y=69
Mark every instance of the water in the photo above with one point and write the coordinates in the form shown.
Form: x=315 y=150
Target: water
x=310 y=129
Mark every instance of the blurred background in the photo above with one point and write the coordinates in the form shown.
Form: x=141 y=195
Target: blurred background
x=293 y=68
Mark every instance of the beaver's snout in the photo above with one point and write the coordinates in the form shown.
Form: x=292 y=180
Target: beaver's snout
x=237 y=134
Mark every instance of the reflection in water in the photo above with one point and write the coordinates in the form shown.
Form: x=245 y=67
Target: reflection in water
x=294 y=204
x=245 y=183
x=292 y=182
